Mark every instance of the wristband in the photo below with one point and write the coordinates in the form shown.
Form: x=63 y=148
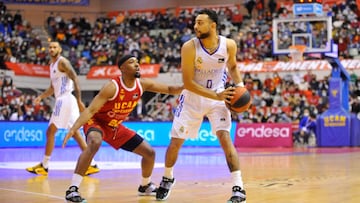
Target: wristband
x=240 y=84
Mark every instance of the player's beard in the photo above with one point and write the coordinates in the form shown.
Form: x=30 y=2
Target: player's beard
x=137 y=75
x=204 y=35
x=54 y=54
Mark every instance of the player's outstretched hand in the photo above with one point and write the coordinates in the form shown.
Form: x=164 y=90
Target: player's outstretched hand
x=67 y=137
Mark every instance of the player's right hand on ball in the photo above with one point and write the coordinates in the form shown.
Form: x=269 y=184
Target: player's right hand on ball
x=227 y=94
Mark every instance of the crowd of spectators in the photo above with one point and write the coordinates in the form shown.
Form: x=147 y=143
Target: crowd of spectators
x=157 y=38
x=16 y=105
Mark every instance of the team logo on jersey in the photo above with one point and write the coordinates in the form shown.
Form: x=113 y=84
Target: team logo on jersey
x=182 y=130
x=221 y=60
x=122 y=94
x=135 y=96
x=198 y=62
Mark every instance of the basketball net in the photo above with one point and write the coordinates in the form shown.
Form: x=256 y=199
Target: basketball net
x=297 y=52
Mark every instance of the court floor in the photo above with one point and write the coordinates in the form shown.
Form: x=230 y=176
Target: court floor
x=281 y=175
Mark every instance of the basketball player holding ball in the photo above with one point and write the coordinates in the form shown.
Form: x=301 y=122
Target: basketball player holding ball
x=204 y=60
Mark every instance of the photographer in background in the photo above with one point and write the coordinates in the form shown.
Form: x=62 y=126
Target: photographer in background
x=307 y=127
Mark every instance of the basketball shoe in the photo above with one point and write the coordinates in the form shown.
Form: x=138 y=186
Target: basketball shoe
x=164 y=189
x=147 y=190
x=92 y=169
x=73 y=195
x=238 y=195
x=38 y=169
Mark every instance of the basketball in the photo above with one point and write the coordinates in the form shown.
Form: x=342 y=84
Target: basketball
x=241 y=100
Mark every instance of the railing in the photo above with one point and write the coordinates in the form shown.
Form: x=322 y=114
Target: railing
x=151 y=106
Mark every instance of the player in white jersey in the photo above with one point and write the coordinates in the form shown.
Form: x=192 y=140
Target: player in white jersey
x=204 y=61
x=66 y=109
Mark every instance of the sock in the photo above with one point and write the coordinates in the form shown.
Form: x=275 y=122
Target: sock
x=145 y=181
x=236 y=178
x=93 y=162
x=169 y=172
x=45 y=161
x=76 y=180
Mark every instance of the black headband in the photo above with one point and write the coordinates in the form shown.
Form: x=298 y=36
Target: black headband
x=124 y=58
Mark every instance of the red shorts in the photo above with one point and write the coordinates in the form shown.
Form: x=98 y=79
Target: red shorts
x=116 y=137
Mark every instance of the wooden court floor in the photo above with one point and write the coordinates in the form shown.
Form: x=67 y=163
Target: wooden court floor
x=280 y=175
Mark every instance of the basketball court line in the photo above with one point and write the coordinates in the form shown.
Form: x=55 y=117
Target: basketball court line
x=32 y=193
x=70 y=165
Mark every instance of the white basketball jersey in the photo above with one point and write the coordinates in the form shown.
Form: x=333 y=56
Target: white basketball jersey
x=210 y=69
x=61 y=83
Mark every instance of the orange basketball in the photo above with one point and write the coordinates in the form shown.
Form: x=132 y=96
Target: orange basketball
x=241 y=100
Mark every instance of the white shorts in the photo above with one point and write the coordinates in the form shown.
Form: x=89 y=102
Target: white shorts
x=190 y=113
x=65 y=112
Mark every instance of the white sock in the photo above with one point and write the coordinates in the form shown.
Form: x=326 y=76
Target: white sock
x=169 y=172
x=45 y=161
x=93 y=162
x=76 y=180
x=145 y=181
x=236 y=178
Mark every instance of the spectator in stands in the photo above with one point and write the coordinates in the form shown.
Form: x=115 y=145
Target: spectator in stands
x=63 y=81
x=272 y=6
x=355 y=104
x=249 y=5
x=4 y=50
x=4 y=114
x=17 y=114
x=307 y=128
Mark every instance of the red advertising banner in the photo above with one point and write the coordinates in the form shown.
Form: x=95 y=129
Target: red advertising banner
x=152 y=70
x=263 y=135
x=29 y=69
x=96 y=72
x=101 y=72
x=271 y=66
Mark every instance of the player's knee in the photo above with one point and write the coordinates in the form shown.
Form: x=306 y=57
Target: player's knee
x=150 y=154
x=94 y=142
x=175 y=144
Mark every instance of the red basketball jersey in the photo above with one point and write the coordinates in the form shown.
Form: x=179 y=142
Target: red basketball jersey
x=121 y=105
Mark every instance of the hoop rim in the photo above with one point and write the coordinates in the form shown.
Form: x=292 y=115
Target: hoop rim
x=297 y=52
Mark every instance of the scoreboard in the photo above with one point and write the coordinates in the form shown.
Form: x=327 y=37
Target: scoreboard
x=308 y=7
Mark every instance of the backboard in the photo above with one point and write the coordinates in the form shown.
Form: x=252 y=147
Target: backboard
x=313 y=32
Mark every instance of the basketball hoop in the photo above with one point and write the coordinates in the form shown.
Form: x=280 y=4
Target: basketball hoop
x=297 y=52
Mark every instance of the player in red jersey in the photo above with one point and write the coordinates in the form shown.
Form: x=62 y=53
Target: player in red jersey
x=103 y=118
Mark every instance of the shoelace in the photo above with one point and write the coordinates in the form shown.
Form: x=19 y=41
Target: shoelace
x=150 y=189
x=166 y=183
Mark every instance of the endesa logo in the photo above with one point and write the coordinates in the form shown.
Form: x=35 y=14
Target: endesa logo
x=148 y=135
x=263 y=131
x=205 y=136
x=23 y=135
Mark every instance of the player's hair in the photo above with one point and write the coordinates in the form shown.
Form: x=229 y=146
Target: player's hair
x=55 y=41
x=211 y=13
x=124 y=58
